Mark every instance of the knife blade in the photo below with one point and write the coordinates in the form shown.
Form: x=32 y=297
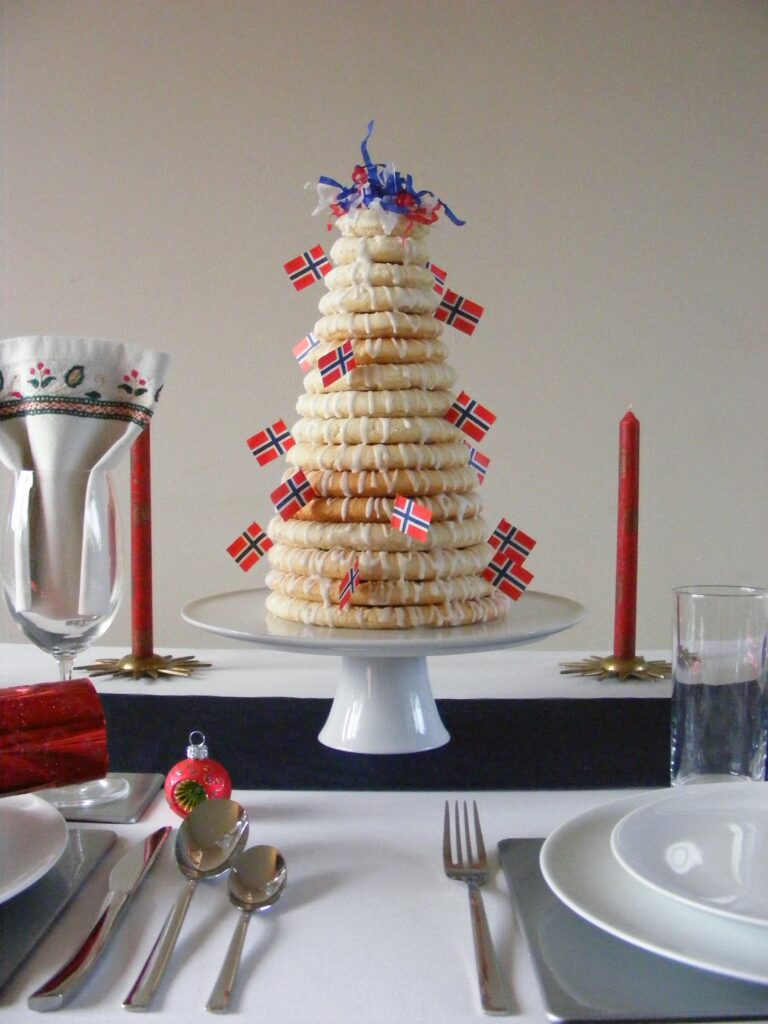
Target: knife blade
x=125 y=878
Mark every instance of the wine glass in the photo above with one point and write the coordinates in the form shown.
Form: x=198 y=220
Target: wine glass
x=61 y=571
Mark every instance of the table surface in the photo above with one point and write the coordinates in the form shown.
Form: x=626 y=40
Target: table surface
x=369 y=929
x=248 y=670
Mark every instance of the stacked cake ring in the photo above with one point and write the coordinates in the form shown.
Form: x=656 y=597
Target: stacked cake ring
x=375 y=436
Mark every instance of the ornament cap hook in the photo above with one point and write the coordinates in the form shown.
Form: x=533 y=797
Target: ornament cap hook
x=197 y=747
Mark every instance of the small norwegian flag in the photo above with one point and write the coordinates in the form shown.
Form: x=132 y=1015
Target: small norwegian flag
x=478 y=461
x=508 y=574
x=249 y=546
x=410 y=517
x=271 y=442
x=461 y=313
x=307 y=268
x=510 y=540
x=349 y=583
x=336 y=364
x=440 y=276
x=302 y=350
x=293 y=494
x=471 y=417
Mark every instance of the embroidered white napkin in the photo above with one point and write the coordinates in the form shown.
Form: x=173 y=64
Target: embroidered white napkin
x=70 y=408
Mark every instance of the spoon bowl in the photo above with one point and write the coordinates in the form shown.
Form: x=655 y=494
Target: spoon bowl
x=208 y=841
x=210 y=838
x=257 y=878
x=256 y=881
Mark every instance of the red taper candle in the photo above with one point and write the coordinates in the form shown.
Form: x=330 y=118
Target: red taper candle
x=142 y=640
x=626 y=542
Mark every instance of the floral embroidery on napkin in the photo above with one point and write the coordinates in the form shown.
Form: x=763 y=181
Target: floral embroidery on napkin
x=41 y=376
x=133 y=384
x=76 y=390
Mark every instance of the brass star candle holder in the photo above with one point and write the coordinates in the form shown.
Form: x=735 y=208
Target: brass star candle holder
x=153 y=666
x=143 y=662
x=616 y=667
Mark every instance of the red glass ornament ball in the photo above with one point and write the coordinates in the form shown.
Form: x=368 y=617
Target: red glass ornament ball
x=196 y=778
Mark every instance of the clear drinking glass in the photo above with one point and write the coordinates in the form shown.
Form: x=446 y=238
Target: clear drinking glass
x=720 y=662
x=61 y=570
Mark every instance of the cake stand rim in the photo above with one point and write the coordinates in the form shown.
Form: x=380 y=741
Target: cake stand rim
x=387 y=643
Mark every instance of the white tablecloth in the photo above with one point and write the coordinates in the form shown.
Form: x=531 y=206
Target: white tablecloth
x=369 y=931
x=249 y=670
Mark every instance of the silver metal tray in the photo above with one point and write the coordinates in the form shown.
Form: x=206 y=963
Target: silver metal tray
x=26 y=918
x=125 y=810
x=586 y=975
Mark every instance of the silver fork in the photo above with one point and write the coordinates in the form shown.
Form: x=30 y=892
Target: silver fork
x=473 y=869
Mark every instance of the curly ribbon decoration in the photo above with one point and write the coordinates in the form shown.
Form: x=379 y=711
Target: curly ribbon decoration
x=380 y=185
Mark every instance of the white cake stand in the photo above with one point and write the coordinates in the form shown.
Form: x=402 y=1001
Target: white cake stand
x=383 y=702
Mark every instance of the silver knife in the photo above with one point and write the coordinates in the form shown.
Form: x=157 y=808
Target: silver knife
x=125 y=878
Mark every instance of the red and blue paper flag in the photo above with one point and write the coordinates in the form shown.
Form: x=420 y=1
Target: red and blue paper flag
x=507 y=573
x=249 y=546
x=510 y=540
x=336 y=364
x=303 y=349
x=458 y=312
x=307 y=268
x=292 y=495
x=439 y=275
x=471 y=417
x=478 y=462
x=411 y=518
x=349 y=583
x=271 y=442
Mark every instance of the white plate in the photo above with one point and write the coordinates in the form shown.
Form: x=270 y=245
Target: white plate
x=241 y=615
x=33 y=835
x=706 y=846
x=580 y=868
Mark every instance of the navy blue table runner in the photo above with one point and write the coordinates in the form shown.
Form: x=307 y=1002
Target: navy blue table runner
x=271 y=743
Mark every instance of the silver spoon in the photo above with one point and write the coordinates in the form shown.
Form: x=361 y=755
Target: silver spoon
x=256 y=881
x=208 y=841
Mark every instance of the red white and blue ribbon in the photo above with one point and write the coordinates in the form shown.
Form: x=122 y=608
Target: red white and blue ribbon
x=439 y=275
x=293 y=494
x=248 y=548
x=507 y=574
x=411 y=518
x=271 y=442
x=471 y=417
x=458 y=312
x=305 y=269
x=478 y=462
x=349 y=583
x=303 y=349
x=336 y=364
x=380 y=186
x=512 y=541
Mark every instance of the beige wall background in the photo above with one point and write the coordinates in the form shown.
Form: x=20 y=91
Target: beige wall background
x=609 y=157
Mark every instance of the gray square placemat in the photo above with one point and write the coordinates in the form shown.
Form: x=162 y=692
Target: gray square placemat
x=26 y=918
x=586 y=974
x=124 y=811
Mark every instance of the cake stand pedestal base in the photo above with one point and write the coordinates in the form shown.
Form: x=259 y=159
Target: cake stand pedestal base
x=383 y=701
x=384 y=706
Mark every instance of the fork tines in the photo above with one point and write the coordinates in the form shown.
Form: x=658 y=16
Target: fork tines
x=477 y=860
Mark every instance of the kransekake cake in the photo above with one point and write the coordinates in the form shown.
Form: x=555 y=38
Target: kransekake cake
x=380 y=433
